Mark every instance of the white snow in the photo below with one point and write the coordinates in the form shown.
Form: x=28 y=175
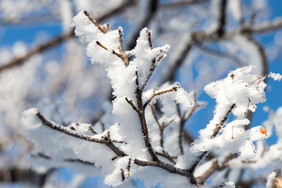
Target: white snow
x=239 y=92
x=202 y=168
x=270 y=179
x=275 y=76
x=235 y=8
x=245 y=91
x=29 y=120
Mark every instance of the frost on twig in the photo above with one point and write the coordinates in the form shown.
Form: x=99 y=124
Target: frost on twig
x=136 y=141
x=275 y=76
x=128 y=136
x=236 y=94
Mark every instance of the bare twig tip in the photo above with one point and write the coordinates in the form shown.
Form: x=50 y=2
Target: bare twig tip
x=101 y=45
x=95 y=23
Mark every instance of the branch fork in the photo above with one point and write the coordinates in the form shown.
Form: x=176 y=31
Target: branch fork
x=159 y=93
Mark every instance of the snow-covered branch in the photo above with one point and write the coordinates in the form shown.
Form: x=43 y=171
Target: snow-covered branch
x=149 y=127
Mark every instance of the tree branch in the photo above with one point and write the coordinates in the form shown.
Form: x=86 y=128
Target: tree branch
x=181 y=3
x=261 y=28
x=159 y=93
x=222 y=18
x=188 y=137
x=15 y=175
x=166 y=155
x=197 y=161
x=58 y=40
x=132 y=105
x=216 y=131
x=95 y=23
x=167 y=167
x=142 y=119
x=101 y=45
x=221 y=123
x=153 y=63
x=151 y=11
x=221 y=54
x=161 y=127
x=106 y=140
x=183 y=120
x=170 y=77
x=122 y=55
x=52 y=43
x=214 y=166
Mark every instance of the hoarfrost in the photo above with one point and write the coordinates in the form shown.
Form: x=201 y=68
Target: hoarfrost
x=29 y=120
x=275 y=76
x=239 y=92
x=127 y=122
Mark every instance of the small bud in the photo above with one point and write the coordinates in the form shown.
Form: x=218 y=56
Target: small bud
x=263 y=131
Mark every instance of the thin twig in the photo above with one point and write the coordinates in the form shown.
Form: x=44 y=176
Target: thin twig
x=155 y=115
x=221 y=123
x=171 y=75
x=80 y=161
x=151 y=10
x=92 y=130
x=176 y=4
x=161 y=126
x=222 y=18
x=105 y=141
x=197 y=161
x=142 y=119
x=122 y=174
x=101 y=45
x=264 y=66
x=153 y=66
x=158 y=93
x=149 y=39
x=180 y=135
x=252 y=182
x=30 y=176
x=195 y=106
x=188 y=137
x=102 y=125
x=52 y=43
x=183 y=119
x=128 y=167
x=132 y=105
x=58 y=40
x=153 y=62
x=261 y=53
x=221 y=54
x=214 y=166
x=122 y=55
x=95 y=23
x=265 y=27
x=167 y=167
x=167 y=156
